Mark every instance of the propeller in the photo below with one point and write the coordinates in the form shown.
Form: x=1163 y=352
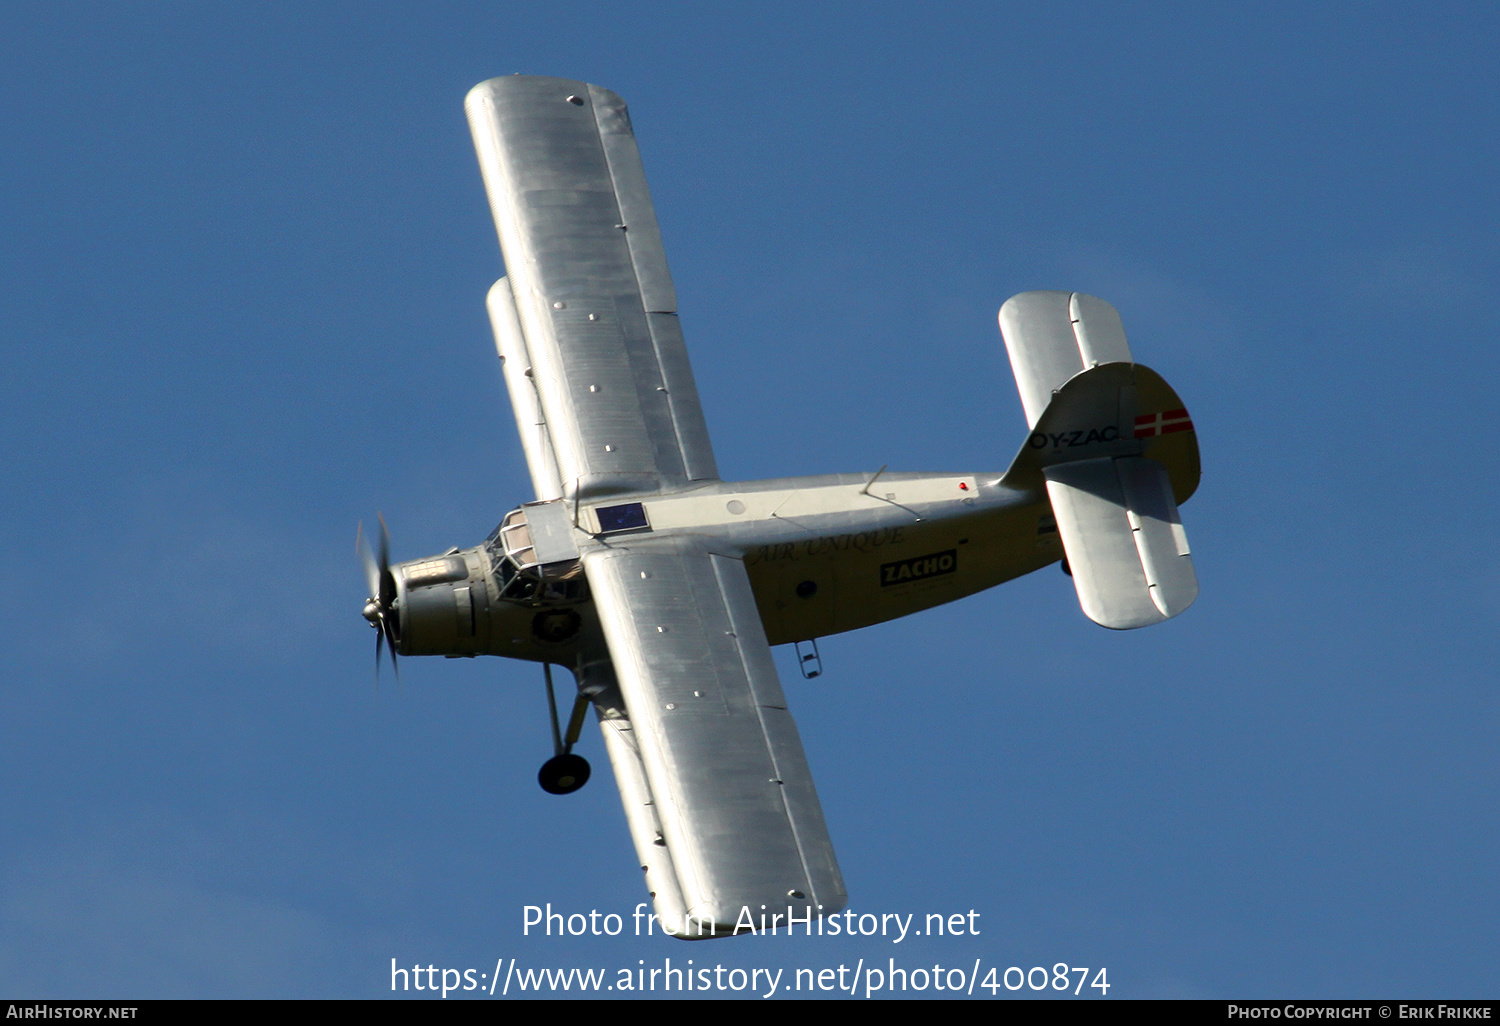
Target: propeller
x=379 y=607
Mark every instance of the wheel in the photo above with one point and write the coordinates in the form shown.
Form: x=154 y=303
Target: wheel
x=563 y=774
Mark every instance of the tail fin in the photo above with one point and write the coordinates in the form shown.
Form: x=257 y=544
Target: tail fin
x=1116 y=451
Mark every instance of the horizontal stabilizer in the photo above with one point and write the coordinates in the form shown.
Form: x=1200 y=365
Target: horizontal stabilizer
x=1125 y=545
x=1051 y=336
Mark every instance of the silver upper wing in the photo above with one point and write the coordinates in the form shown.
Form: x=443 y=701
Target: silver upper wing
x=724 y=769
x=716 y=787
x=592 y=315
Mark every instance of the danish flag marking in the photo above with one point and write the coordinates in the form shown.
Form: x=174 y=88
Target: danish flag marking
x=1149 y=425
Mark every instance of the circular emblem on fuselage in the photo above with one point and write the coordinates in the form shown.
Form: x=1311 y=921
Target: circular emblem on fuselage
x=555 y=624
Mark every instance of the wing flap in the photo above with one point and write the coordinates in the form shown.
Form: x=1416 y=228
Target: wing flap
x=721 y=755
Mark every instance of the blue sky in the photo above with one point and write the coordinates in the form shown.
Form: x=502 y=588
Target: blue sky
x=241 y=298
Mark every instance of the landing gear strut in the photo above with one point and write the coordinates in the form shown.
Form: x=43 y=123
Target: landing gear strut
x=565 y=772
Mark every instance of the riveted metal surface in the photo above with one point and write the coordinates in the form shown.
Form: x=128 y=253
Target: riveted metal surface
x=593 y=296
x=721 y=754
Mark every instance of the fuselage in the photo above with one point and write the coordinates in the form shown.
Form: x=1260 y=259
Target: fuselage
x=825 y=554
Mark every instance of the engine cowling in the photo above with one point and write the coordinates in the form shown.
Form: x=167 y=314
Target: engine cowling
x=443 y=604
x=497 y=598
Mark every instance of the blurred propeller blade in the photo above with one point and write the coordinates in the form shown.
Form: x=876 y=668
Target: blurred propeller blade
x=387 y=582
x=367 y=560
x=380 y=606
x=379 y=642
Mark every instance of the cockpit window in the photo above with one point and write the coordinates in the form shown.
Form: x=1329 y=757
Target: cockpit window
x=512 y=560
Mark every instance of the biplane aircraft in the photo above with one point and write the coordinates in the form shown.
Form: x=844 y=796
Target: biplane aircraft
x=662 y=588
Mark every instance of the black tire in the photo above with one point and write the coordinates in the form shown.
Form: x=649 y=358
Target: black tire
x=563 y=774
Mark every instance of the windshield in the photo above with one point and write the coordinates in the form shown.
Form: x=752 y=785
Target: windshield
x=509 y=549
